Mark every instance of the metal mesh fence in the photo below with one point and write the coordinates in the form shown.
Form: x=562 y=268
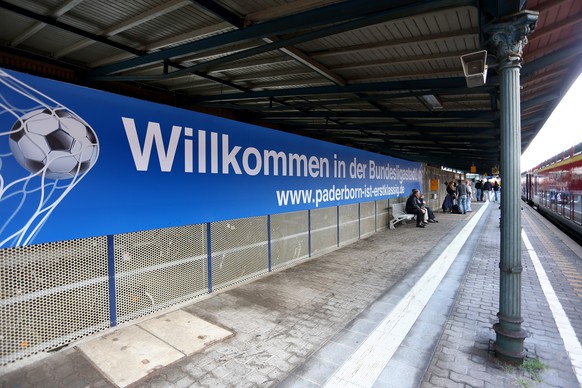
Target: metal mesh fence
x=349 y=223
x=54 y=293
x=239 y=250
x=323 y=229
x=51 y=294
x=367 y=218
x=289 y=238
x=382 y=214
x=157 y=268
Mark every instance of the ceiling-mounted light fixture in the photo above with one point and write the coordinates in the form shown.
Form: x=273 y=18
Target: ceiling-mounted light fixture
x=432 y=101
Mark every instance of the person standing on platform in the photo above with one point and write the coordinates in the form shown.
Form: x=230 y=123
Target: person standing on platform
x=449 y=198
x=487 y=190
x=478 y=187
x=462 y=196
x=469 y=195
x=496 y=190
x=413 y=207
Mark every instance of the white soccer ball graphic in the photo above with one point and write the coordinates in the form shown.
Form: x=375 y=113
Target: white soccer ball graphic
x=56 y=140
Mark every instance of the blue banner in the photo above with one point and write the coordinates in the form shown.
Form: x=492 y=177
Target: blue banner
x=77 y=162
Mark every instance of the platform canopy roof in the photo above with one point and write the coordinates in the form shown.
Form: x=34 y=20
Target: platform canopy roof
x=383 y=76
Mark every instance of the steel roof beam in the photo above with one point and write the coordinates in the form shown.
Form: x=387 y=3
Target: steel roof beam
x=485 y=91
x=573 y=20
x=55 y=23
x=188 y=36
x=393 y=128
x=359 y=14
x=398 y=61
x=223 y=13
x=355 y=49
x=60 y=10
x=335 y=29
x=125 y=25
x=375 y=114
x=541 y=100
x=305 y=60
x=290 y=51
x=549 y=59
x=313 y=18
x=427 y=85
x=500 y=8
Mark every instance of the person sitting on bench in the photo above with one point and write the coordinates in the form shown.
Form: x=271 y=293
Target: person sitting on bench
x=429 y=216
x=413 y=207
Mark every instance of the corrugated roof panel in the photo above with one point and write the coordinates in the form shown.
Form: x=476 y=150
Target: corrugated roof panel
x=40 y=7
x=245 y=7
x=174 y=23
x=428 y=26
x=114 y=13
x=270 y=74
x=91 y=53
x=50 y=40
x=466 y=17
x=285 y=85
x=13 y=25
x=262 y=10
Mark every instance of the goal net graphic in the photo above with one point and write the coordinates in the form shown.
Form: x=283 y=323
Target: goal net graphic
x=45 y=151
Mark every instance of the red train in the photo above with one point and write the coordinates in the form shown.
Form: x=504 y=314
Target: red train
x=554 y=188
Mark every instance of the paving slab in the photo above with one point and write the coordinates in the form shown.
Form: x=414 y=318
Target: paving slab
x=184 y=331
x=129 y=354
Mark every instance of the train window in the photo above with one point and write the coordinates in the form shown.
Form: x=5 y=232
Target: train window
x=577 y=204
x=578 y=149
x=566 y=204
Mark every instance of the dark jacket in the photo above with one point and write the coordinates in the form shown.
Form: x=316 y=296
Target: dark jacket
x=412 y=204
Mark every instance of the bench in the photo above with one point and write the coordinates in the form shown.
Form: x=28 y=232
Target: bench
x=399 y=214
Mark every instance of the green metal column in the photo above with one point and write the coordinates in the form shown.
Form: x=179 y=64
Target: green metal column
x=509 y=36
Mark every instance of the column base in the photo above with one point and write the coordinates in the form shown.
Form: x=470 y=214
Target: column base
x=509 y=345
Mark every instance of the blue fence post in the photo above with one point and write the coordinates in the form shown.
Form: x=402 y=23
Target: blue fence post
x=309 y=231
x=338 y=225
x=209 y=248
x=375 y=216
x=111 y=277
x=269 y=240
x=359 y=221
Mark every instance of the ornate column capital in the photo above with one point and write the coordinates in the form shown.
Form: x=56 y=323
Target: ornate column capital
x=509 y=36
